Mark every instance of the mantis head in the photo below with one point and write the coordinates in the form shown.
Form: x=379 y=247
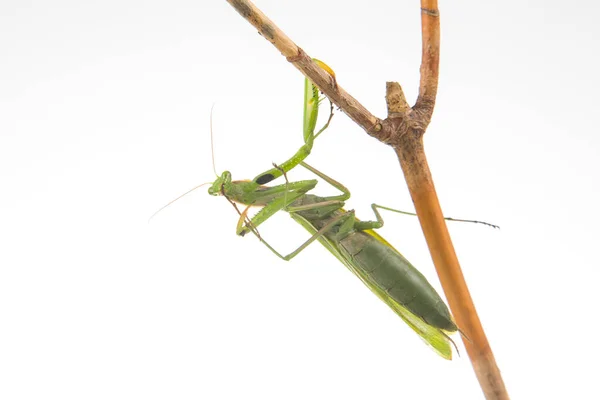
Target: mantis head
x=220 y=185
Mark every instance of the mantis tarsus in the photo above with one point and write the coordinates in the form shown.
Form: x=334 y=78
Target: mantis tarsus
x=355 y=243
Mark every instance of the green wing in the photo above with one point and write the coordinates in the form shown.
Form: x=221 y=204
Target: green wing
x=435 y=337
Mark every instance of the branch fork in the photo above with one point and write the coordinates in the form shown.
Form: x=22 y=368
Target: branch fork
x=403 y=129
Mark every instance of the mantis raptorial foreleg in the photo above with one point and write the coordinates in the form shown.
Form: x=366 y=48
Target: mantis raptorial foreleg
x=311 y=112
x=288 y=194
x=276 y=198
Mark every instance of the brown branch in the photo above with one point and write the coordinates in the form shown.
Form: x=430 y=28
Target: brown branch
x=420 y=183
x=412 y=158
x=403 y=129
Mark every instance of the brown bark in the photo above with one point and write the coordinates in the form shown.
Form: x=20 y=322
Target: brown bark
x=403 y=129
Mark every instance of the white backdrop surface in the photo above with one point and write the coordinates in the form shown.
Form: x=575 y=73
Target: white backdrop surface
x=104 y=117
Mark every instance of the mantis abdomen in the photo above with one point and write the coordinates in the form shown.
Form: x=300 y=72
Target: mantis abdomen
x=392 y=273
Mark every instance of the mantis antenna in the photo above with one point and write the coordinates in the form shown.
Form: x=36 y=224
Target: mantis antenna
x=212 y=141
x=177 y=198
x=212 y=152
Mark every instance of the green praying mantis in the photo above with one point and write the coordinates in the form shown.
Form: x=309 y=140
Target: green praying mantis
x=354 y=242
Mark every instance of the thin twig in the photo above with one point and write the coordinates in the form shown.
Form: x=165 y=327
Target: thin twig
x=430 y=56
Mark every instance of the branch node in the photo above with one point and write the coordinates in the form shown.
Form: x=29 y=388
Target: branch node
x=430 y=12
x=382 y=132
x=376 y=129
x=297 y=57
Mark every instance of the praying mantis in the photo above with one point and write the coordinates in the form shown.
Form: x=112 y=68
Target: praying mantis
x=354 y=242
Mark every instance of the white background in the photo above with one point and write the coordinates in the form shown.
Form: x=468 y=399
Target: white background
x=104 y=117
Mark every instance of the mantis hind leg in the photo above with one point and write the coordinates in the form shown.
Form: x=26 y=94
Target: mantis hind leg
x=364 y=225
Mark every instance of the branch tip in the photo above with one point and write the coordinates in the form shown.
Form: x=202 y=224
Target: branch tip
x=430 y=55
x=395 y=99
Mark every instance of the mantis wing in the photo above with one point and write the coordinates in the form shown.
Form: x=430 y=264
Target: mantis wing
x=435 y=337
